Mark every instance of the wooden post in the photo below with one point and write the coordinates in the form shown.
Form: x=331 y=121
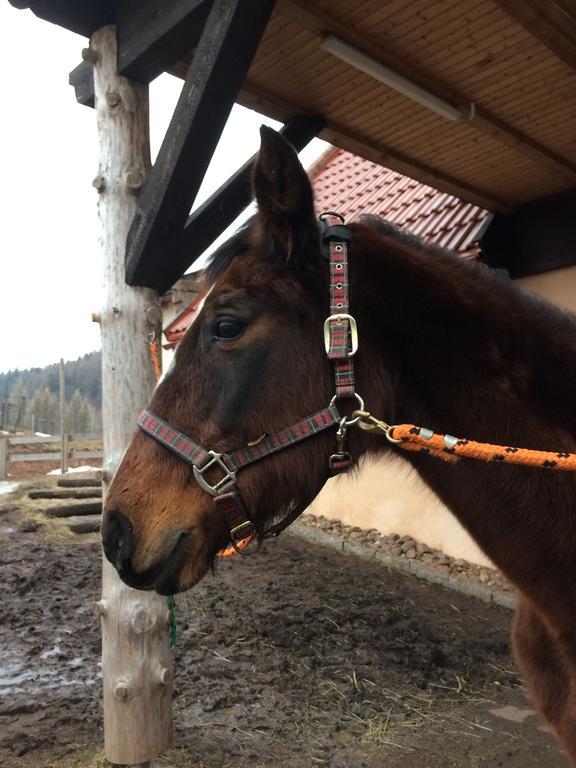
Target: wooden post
x=3 y=458
x=136 y=658
x=63 y=426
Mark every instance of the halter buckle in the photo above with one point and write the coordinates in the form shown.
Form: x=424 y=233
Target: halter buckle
x=224 y=484
x=243 y=531
x=352 y=332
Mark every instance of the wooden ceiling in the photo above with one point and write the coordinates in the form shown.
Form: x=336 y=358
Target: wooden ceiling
x=507 y=68
x=513 y=60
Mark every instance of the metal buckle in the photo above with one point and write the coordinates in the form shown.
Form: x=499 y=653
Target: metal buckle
x=223 y=485
x=335 y=458
x=352 y=330
x=245 y=524
x=341 y=455
x=235 y=540
x=325 y=215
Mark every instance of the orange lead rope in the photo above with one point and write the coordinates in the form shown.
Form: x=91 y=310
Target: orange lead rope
x=156 y=359
x=450 y=448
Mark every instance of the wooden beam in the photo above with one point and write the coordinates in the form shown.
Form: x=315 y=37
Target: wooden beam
x=81 y=17
x=82 y=80
x=152 y=37
x=212 y=217
x=552 y=23
x=136 y=658
x=321 y=24
x=341 y=136
x=536 y=238
x=221 y=61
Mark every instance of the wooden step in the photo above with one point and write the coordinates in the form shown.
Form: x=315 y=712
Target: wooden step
x=79 y=482
x=74 y=508
x=65 y=493
x=83 y=524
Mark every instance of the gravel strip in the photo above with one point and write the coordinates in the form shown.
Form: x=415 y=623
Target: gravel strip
x=403 y=553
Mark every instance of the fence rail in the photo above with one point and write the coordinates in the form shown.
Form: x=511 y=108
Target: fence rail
x=7 y=455
x=36 y=440
x=54 y=455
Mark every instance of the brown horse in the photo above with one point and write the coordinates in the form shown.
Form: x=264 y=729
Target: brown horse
x=443 y=343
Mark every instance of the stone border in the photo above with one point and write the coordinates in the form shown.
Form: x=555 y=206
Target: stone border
x=339 y=543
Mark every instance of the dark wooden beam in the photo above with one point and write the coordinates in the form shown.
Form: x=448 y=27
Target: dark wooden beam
x=220 y=63
x=82 y=17
x=212 y=217
x=152 y=37
x=82 y=80
x=536 y=238
x=553 y=23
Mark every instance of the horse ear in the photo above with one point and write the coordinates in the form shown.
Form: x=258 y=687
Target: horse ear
x=284 y=193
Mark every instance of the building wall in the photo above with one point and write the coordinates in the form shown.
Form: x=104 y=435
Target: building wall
x=388 y=494
x=558 y=286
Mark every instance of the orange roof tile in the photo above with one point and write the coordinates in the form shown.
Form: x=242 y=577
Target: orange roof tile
x=352 y=186
x=178 y=327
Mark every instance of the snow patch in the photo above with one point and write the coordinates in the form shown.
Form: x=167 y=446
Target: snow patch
x=84 y=468
x=7 y=487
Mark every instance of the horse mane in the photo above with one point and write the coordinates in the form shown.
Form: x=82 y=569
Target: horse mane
x=385 y=227
x=236 y=246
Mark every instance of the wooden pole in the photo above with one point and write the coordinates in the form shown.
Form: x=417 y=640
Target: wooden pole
x=136 y=658
x=3 y=458
x=63 y=426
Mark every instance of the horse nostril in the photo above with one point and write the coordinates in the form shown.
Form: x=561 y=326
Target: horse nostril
x=117 y=538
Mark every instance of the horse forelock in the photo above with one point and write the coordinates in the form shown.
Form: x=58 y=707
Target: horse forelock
x=234 y=248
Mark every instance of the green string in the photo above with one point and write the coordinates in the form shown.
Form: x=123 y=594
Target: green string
x=172 y=619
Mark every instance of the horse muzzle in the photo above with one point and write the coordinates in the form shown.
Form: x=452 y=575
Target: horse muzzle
x=119 y=543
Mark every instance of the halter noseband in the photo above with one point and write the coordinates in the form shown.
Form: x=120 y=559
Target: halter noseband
x=341 y=343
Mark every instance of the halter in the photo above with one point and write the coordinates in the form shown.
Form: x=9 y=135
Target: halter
x=341 y=344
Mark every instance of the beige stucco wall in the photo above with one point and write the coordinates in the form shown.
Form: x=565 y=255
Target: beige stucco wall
x=389 y=496
x=558 y=286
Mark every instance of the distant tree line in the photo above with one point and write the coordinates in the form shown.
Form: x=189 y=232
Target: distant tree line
x=29 y=400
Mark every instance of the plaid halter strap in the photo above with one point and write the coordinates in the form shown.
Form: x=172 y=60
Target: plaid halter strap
x=216 y=472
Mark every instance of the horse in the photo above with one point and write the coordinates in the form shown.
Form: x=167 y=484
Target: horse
x=442 y=342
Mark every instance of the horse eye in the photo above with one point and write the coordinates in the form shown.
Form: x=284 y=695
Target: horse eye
x=227 y=328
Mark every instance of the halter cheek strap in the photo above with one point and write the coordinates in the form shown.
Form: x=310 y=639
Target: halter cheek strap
x=216 y=472
x=340 y=330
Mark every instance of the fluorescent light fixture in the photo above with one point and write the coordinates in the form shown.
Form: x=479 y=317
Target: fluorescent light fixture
x=342 y=50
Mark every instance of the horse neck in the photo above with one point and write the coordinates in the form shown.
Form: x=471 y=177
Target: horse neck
x=452 y=348
x=458 y=348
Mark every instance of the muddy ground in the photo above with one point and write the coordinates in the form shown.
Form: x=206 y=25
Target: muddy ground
x=299 y=657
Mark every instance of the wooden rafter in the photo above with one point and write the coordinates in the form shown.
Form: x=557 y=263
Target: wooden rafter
x=320 y=23
x=553 y=23
x=211 y=218
x=256 y=98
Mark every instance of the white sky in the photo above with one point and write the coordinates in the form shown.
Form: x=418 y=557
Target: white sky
x=50 y=280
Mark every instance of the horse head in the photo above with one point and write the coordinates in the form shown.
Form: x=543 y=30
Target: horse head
x=251 y=364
